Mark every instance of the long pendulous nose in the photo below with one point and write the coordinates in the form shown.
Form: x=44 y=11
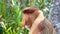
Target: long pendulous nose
x=24 y=20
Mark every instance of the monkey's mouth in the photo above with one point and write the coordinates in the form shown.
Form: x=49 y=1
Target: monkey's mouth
x=27 y=27
x=28 y=24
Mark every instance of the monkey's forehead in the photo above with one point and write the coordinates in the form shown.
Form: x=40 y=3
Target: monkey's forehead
x=29 y=9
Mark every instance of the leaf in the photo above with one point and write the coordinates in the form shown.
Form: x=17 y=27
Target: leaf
x=9 y=29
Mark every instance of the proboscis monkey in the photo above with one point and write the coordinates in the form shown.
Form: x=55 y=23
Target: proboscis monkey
x=33 y=19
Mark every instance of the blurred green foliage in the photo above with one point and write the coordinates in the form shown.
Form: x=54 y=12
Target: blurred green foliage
x=11 y=16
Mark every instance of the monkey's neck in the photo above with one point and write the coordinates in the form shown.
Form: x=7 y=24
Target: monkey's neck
x=39 y=15
x=39 y=18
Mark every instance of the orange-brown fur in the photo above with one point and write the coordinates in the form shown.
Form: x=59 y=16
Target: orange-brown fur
x=33 y=18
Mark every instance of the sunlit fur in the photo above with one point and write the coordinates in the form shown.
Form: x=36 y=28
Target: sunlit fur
x=35 y=22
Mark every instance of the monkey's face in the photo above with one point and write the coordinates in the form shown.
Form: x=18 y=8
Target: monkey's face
x=28 y=17
x=26 y=20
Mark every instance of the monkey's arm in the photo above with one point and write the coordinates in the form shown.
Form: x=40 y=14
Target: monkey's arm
x=50 y=26
x=36 y=28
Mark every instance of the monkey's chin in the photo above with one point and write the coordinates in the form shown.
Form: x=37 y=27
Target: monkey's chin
x=27 y=27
